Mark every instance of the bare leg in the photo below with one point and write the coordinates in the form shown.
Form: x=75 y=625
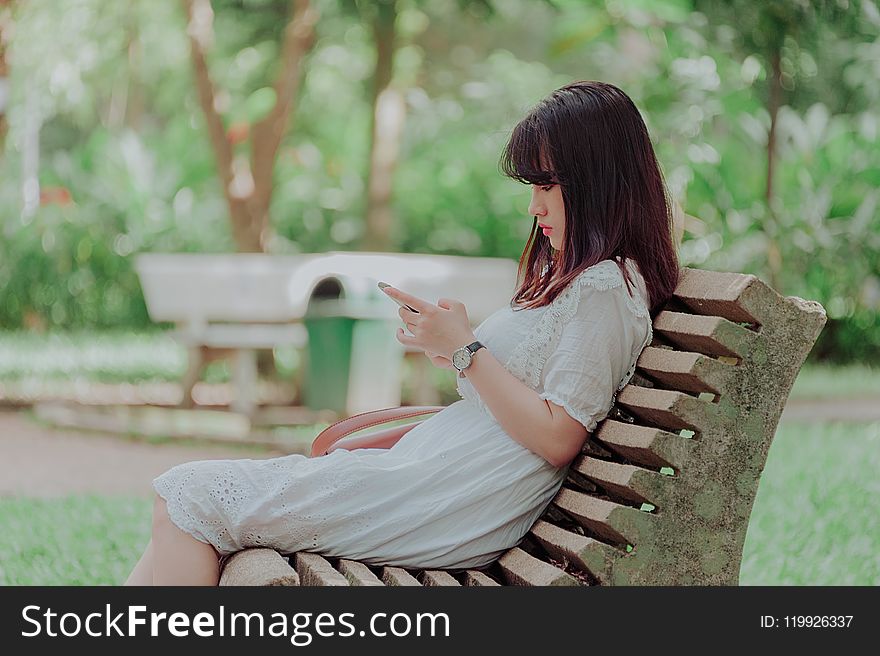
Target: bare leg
x=142 y=574
x=178 y=558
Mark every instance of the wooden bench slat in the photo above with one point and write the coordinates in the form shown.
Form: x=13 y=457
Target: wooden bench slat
x=314 y=569
x=670 y=410
x=629 y=482
x=587 y=554
x=258 y=567
x=651 y=447
x=358 y=573
x=435 y=577
x=476 y=577
x=521 y=568
x=705 y=334
x=398 y=576
x=737 y=297
x=688 y=371
x=609 y=521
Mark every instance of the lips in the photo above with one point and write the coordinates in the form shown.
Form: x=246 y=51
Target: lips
x=545 y=227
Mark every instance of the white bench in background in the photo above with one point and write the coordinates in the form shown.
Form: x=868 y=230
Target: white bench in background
x=245 y=302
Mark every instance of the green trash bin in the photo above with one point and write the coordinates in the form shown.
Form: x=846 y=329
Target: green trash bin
x=353 y=359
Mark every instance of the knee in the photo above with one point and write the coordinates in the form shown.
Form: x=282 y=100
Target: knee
x=161 y=520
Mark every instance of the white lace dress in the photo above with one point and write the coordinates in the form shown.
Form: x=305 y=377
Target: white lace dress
x=456 y=491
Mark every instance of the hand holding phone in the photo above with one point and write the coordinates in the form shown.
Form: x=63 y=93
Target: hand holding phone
x=383 y=285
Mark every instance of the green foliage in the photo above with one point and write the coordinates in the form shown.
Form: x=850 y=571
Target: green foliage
x=122 y=131
x=59 y=270
x=71 y=265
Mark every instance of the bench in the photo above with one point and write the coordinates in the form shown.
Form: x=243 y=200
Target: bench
x=663 y=489
x=236 y=303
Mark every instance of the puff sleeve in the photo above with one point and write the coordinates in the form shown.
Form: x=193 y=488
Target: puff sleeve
x=595 y=354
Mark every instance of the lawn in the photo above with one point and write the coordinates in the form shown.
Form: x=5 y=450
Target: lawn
x=824 y=381
x=76 y=540
x=816 y=520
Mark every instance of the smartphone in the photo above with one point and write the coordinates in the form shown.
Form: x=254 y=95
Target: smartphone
x=383 y=285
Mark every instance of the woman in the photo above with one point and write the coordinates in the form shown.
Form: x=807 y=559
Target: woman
x=464 y=486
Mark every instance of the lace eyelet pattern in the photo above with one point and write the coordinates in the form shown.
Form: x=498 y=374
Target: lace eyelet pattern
x=527 y=360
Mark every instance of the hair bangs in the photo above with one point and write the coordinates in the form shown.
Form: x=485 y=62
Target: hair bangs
x=525 y=158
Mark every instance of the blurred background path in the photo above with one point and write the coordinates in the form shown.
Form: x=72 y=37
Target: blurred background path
x=43 y=461
x=39 y=461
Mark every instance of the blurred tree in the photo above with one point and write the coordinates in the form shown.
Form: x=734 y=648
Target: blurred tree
x=768 y=30
x=388 y=116
x=125 y=106
x=5 y=29
x=247 y=184
x=116 y=180
x=386 y=126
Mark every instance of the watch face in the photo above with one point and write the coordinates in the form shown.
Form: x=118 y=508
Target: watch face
x=460 y=359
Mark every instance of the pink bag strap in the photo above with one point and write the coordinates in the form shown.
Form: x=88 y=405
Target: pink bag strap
x=335 y=432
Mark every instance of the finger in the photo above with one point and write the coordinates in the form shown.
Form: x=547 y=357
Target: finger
x=413 y=301
x=407 y=315
x=448 y=303
x=405 y=339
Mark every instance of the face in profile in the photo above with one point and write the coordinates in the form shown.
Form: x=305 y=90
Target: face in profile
x=548 y=207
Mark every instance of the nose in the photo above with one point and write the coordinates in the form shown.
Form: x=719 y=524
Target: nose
x=536 y=206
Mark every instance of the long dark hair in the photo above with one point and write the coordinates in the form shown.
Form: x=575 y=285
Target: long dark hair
x=589 y=138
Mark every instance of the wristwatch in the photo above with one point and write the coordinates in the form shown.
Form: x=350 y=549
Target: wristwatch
x=462 y=358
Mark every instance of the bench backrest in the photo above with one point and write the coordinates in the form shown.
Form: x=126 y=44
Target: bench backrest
x=688 y=436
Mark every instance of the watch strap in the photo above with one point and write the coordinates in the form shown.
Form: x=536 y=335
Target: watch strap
x=472 y=348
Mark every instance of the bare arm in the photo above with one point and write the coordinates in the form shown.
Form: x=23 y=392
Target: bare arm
x=543 y=427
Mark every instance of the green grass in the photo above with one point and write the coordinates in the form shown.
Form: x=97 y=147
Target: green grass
x=98 y=356
x=817 y=381
x=77 y=540
x=816 y=520
x=110 y=357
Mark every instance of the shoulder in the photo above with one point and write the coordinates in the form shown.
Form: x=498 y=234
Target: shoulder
x=602 y=276
x=605 y=279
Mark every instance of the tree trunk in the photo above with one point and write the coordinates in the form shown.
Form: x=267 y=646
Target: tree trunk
x=5 y=28
x=125 y=97
x=247 y=183
x=389 y=112
x=134 y=108
x=771 y=228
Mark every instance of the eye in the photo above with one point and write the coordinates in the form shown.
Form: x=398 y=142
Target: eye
x=547 y=187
